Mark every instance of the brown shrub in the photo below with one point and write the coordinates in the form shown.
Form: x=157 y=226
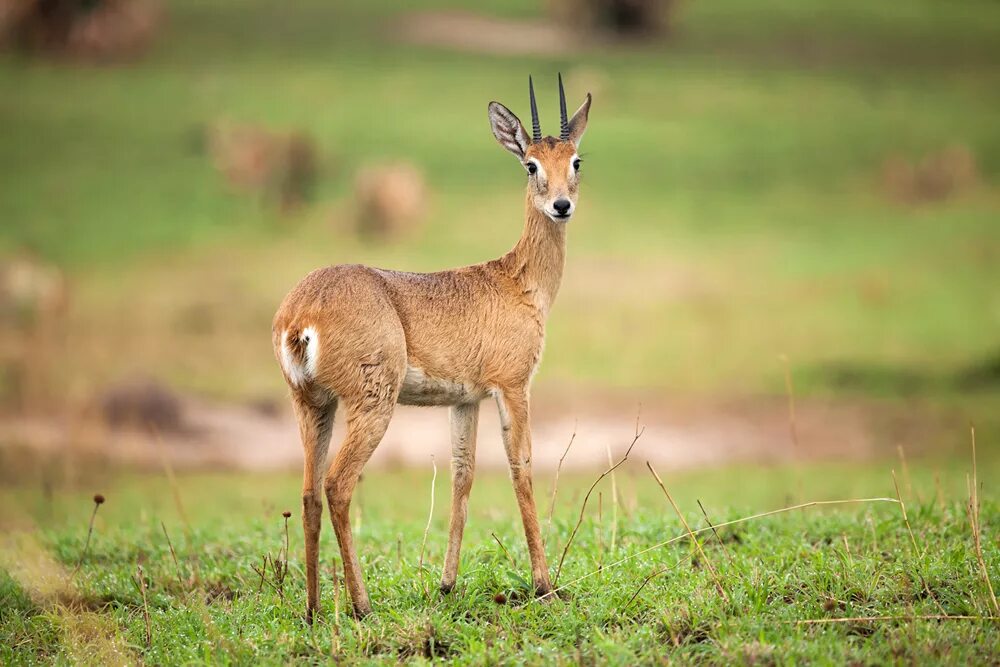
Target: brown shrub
x=141 y=403
x=391 y=199
x=280 y=166
x=937 y=176
x=34 y=297
x=99 y=30
x=624 y=18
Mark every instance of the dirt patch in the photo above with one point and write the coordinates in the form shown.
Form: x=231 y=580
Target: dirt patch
x=678 y=435
x=474 y=33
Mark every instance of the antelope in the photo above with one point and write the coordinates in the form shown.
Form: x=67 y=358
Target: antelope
x=365 y=339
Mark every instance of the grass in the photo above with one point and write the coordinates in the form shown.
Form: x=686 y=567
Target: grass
x=731 y=211
x=660 y=603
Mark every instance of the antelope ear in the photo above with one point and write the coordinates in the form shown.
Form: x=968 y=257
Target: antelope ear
x=578 y=123
x=508 y=129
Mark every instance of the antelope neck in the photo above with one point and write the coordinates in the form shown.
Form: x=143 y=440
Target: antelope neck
x=538 y=258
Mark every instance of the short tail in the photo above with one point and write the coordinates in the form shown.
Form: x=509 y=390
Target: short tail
x=299 y=352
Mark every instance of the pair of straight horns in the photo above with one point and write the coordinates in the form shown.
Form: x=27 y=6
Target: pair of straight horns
x=536 y=127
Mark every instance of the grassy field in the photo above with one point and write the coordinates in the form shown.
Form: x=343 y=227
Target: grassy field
x=211 y=606
x=732 y=209
x=732 y=212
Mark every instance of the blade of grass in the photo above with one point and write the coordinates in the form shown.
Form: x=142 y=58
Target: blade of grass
x=555 y=482
x=722 y=544
x=973 y=510
x=579 y=521
x=752 y=517
x=427 y=528
x=694 y=540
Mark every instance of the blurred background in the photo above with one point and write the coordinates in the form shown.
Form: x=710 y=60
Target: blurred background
x=787 y=247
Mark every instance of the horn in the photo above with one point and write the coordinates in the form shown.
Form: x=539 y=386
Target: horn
x=563 y=121
x=536 y=128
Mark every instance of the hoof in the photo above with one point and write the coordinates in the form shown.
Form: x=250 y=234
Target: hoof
x=447 y=588
x=361 y=612
x=309 y=616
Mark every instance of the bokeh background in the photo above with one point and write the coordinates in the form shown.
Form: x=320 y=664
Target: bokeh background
x=787 y=246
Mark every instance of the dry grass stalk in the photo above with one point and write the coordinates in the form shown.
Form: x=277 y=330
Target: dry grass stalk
x=652 y=575
x=614 y=503
x=98 y=501
x=555 y=482
x=262 y=571
x=600 y=531
x=906 y=520
x=173 y=555
x=906 y=474
x=287 y=515
x=279 y=576
x=938 y=491
x=722 y=544
x=871 y=525
x=694 y=540
x=913 y=541
x=280 y=569
x=504 y=549
x=752 y=517
x=145 y=604
x=973 y=510
x=335 y=642
x=427 y=528
x=579 y=521
x=847 y=548
x=168 y=470
x=872 y=619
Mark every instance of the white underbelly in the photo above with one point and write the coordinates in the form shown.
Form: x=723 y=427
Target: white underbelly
x=422 y=389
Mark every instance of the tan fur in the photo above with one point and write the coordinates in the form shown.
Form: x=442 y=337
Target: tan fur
x=446 y=338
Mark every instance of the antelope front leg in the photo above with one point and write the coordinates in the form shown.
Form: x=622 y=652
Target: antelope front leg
x=464 y=422
x=516 y=431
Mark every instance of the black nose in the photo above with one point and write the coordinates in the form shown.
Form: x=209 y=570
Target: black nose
x=561 y=206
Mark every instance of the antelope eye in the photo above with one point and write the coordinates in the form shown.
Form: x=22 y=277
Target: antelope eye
x=576 y=164
x=532 y=168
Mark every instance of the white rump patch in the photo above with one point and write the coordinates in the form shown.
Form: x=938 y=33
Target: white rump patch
x=298 y=372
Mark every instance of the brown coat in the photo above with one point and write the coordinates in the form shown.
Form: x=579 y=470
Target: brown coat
x=366 y=339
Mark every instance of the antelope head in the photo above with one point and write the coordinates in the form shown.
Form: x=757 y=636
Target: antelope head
x=552 y=165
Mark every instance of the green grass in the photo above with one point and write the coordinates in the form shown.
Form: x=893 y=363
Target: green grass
x=731 y=211
x=816 y=563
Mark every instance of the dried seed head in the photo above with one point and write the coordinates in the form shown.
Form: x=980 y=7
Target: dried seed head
x=98 y=499
x=500 y=598
x=286 y=514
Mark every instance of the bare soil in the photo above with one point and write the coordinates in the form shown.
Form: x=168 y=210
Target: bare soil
x=677 y=435
x=473 y=33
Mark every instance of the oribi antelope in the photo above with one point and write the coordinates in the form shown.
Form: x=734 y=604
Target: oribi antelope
x=364 y=339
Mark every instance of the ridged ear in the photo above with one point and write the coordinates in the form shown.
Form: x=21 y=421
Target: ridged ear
x=578 y=123
x=508 y=130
